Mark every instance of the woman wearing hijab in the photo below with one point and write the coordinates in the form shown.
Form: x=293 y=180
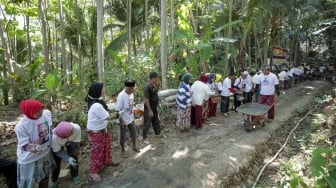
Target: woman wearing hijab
x=201 y=93
x=65 y=146
x=212 y=83
x=98 y=115
x=183 y=101
x=33 y=151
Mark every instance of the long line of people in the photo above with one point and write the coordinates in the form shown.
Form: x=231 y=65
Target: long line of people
x=41 y=148
x=197 y=103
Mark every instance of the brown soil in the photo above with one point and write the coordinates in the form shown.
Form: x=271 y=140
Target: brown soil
x=221 y=154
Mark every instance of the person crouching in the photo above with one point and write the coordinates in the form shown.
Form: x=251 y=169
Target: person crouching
x=66 y=136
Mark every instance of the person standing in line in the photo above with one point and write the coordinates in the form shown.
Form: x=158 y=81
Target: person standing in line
x=9 y=170
x=205 y=106
x=255 y=82
x=247 y=94
x=200 y=92
x=269 y=86
x=290 y=77
x=98 y=115
x=151 y=113
x=67 y=136
x=33 y=133
x=212 y=83
x=183 y=101
x=283 y=79
x=239 y=85
x=227 y=89
x=125 y=105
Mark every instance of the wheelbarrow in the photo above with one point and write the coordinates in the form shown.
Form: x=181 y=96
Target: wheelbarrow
x=253 y=114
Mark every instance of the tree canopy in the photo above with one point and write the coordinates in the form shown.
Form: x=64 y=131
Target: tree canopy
x=52 y=49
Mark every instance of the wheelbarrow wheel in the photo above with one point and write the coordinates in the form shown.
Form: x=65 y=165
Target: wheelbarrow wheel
x=249 y=128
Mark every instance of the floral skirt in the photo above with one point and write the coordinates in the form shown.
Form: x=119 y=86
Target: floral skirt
x=100 y=151
x=183 y=118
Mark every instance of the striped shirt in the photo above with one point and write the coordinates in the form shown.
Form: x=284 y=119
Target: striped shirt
x=183 y=98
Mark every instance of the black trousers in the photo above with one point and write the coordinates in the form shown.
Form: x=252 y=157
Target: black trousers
x=148 y=121
x=236 y=102
x=247 y=97
x=225 y=103
x=72 y=150
x=9 y=169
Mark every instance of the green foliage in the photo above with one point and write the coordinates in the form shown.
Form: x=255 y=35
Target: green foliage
x=50 y=82
x=205 y=51
x=323 y=166
x=293 y=176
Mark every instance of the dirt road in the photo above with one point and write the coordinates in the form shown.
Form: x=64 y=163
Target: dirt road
x=210 y=157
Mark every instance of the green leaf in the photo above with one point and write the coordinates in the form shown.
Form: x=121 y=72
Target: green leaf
x=318 y=161
x=205 y=51
x=50 y=82
x=294 y=182
x=38 y=93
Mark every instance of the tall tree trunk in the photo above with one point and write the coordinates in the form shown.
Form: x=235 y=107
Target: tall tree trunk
x=172 y=25
x=146 y=26
x=29 y=45
x=63 y=54
x=164 y=44
x=9 y=62
x=129 y=32
x=42 y=7
x=229 y=34
x=79 y=44
x=100 y=17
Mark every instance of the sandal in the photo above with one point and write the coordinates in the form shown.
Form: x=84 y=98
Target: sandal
x=76 y=180
x=95 y=178
x=114 y=163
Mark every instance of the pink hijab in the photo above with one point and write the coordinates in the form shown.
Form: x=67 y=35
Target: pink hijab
x=63 y=129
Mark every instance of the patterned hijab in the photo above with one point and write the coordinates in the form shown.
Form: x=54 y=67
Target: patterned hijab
x=94 y=95
x=30 y=107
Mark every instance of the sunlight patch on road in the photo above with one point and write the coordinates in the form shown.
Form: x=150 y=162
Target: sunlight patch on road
x=234 y=162
x=181 y=153
x=234 y=159
x=309 y=87
x=144 y=150
x=248 y=147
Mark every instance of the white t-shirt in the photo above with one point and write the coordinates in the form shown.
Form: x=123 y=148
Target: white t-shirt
x=240 y=82
x=219 y=86
x=31 y=133
x=125 y=103
x=97 y=117
x=283 y=76
x=57 y=142
x=248 y=84
x=226 y=85
x=255 y=79
x=267 y=83
x=200 y=92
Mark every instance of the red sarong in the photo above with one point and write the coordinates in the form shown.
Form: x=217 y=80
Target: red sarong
x=100 y=151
